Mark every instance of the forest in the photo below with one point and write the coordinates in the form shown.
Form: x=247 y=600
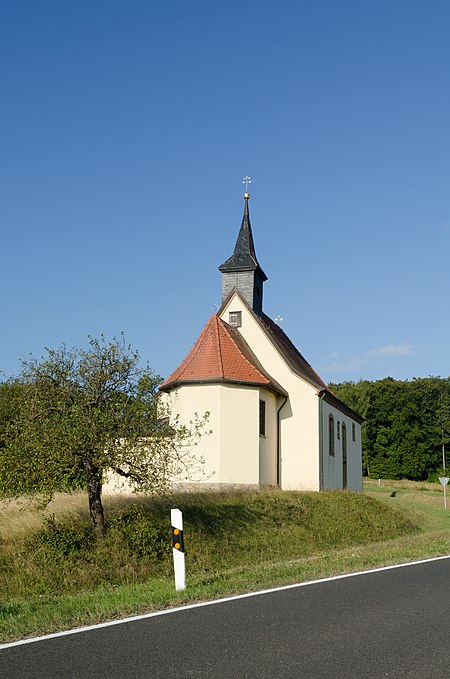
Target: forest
x=406 y=432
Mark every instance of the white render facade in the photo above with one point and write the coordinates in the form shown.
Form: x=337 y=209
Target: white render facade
x=233 y=453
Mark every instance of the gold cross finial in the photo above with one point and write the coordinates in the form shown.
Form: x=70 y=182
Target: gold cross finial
x=247 y=180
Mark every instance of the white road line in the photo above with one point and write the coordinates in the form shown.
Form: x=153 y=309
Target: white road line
x=214 y=602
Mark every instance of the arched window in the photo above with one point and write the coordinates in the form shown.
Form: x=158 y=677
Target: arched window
x=331 y=434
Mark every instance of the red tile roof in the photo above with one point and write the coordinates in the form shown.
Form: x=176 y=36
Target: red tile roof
x=220 y=354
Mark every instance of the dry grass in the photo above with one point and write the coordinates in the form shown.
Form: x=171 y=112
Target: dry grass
x=21 y=517
x=404 y=484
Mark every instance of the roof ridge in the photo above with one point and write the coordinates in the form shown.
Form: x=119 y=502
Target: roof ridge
x=219 y=345
x=192 y=354
x=237 y=339
x=279 y=334
x=253 y=360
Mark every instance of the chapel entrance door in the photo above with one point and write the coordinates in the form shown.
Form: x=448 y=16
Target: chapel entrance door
x=344 y=456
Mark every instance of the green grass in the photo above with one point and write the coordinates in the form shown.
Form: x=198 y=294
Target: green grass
x=424 y=502
x=55 y=576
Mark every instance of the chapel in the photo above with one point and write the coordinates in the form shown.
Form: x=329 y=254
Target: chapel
x=273 y=420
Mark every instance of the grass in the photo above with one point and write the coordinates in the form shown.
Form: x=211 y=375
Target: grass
x=55 y=576
x=424 y=502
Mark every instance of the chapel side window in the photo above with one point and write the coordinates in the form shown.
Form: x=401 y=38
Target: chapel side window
x=353 y=431
x=262 y=418
x=331 y=435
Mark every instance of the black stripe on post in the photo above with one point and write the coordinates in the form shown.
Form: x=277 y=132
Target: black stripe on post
x=177 y=539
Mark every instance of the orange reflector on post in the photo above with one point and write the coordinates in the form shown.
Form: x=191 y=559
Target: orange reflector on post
x=177 y=539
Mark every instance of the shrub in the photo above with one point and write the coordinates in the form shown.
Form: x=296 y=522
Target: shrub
x=138 y=531
x=63 y=539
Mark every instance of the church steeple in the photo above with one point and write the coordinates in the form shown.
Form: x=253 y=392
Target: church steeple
x=242 y=269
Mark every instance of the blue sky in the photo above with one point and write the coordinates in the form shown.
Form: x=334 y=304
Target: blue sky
x=126 y=129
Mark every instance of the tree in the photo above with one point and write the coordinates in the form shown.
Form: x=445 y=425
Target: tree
x=407 y=425
x=10 y=397
x=84 y=412
x=443 y=418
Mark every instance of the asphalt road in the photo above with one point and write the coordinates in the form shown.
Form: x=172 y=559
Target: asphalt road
x=393 y=623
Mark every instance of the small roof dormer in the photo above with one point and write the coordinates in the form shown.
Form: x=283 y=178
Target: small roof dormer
x=242 y=270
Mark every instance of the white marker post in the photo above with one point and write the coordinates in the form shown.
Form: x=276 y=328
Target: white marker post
x=444 y=480
x=176 y=518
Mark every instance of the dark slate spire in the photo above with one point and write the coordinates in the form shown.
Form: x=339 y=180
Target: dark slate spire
x=244 y=255
x=242 y=269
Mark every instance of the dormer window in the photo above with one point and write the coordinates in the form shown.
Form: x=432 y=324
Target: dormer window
x=235 y=318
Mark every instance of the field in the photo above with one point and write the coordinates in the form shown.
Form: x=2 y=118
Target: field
x=54 y=575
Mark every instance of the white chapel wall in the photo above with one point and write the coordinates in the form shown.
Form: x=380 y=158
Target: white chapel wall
x=299 y=419
x=239 y=444
x=184 y=403
x=268 y=450
x=231 y=451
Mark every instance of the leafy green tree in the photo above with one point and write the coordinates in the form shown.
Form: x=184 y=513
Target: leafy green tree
x=407 y=424
x=443 y=419
x=81 y=413
x=10 y=397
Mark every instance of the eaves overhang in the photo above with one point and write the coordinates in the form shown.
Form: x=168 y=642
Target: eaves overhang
x=333 y=400
x=241 y=268
x=271 y=386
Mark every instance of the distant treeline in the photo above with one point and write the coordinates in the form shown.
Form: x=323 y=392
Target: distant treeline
x=406 y=428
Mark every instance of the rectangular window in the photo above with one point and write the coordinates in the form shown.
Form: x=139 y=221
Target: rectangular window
x=262 y=418
x=331 y=434
x=339 y=430
x=353 y=431
x=235 y=318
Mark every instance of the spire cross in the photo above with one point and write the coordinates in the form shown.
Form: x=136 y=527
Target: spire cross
x=247 y=180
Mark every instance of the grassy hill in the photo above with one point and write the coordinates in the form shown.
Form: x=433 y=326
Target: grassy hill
x=54 y=575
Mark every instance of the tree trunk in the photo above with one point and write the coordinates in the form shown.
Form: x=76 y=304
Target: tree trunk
x=95 y=501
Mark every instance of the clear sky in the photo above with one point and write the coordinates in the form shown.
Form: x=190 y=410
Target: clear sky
x=126 y=129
